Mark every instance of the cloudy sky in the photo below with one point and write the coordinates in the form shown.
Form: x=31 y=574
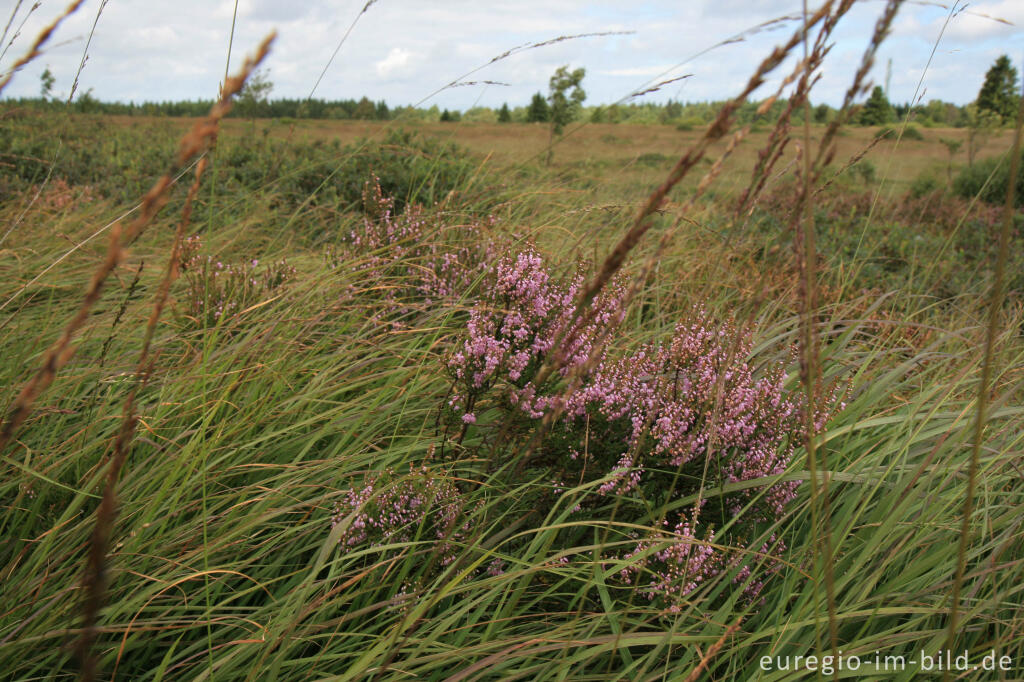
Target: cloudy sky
x=404 y=51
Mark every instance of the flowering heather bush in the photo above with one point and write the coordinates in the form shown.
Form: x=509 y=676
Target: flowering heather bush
x=59 y=195
x=677 y=563
x=414 y=257
x=684 y=416
x=667 y=567
x=387 y=509
x=219 y=290
x=523 y=311
x=674 y=405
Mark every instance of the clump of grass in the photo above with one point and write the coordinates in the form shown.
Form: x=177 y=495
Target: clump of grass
x=218 y=291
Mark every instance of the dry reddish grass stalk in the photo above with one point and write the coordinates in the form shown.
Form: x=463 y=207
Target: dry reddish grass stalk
x=826 y=149
x=41 y=39
x=802 y=228
x=202 y=135
x=94 y=578
x=851 y=162
x=779 y=137
x=706 y=658
x=769 y=156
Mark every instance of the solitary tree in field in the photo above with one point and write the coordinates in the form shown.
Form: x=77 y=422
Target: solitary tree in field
x=365 y=109
x=253 y=98
x=47 y=83
x=822 y=113
x=566 y=97
x=538 y=111
x=998 y=93
x=877 y=111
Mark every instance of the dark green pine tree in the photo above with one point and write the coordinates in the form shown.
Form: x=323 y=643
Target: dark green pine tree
x=877 y=111
x=504 y=115
x=538 y=111
x=999 y=92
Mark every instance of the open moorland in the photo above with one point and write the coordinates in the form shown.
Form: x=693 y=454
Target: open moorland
x=300 y=399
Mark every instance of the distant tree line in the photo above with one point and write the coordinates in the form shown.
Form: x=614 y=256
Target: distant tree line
x=362 y=109
x=681 y=114
x=995 y=106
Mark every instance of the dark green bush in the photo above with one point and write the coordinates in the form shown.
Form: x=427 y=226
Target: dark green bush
x=975 y=181
x=910 y=132
x=411 y=168
x=117 y=162
x=123 y=162
x=865 y=170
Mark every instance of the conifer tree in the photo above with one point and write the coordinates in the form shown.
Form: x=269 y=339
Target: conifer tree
x=999 y=92
x=877 y=111
x=538 y=111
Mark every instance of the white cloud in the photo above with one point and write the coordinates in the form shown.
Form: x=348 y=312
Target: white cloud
x=396 y=62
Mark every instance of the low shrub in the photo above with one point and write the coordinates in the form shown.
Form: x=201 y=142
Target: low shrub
x=672 y=420
x=409 y=167
x=865 y=169
x=653 y=159
x=123 y=163
x=912 y=132
x=388 y=509
x=987 y=179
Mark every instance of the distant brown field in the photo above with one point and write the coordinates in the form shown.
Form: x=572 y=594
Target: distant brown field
x=628 y=159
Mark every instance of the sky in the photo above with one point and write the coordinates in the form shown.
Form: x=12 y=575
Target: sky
x=407 y=51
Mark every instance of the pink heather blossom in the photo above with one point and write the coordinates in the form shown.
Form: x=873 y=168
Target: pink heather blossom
x=672 y=565
x=386 y=509
x=512 y=329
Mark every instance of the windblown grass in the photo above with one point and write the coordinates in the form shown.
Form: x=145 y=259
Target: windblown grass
x=233 y=452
